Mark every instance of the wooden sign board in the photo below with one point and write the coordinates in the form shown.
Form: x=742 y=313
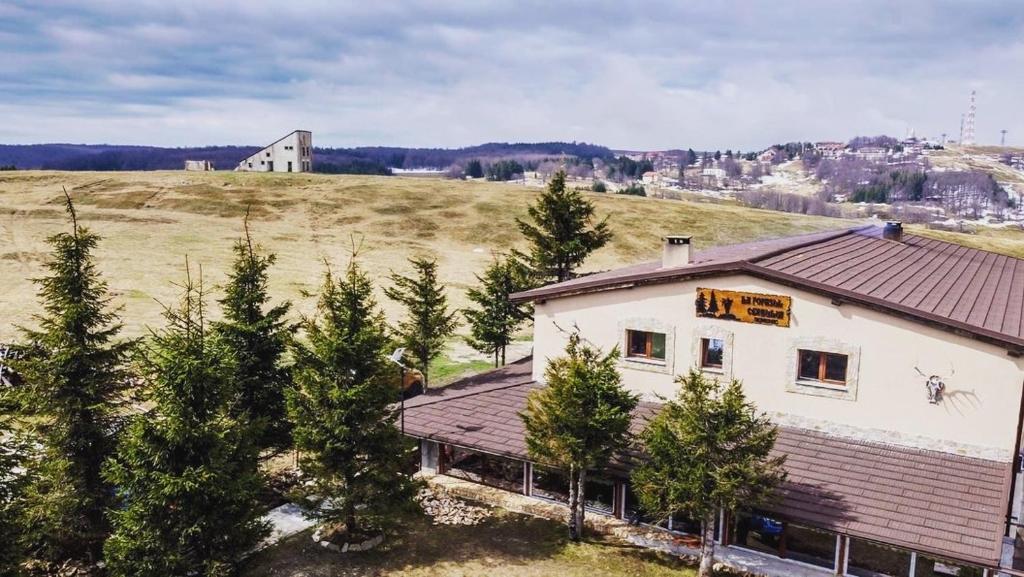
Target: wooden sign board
x=744 y=307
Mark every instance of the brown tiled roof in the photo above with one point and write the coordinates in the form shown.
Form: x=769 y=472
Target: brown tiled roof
x=481 y=412
x=940 y=503
x=928 y=501
x=943 y=284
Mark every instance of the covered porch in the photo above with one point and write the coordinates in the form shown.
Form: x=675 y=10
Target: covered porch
x=849 y=507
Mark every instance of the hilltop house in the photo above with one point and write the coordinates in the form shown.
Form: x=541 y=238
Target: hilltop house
x=891 y=363
x=832 y=150
x=291 y=153
x=872 y=153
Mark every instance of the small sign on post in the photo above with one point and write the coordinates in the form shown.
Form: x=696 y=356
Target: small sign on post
x=745 y=307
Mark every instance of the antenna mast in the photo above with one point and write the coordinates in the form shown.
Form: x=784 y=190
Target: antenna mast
x=968 y=130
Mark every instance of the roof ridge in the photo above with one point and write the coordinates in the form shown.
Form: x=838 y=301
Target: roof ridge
x=470 y=394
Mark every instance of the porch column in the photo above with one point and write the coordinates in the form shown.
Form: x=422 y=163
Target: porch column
x=619 y=500
x=842 y=551
x=725 y=528
x=429 y=457
x=527 y=478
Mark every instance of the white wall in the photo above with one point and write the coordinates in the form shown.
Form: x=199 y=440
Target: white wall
x=889 y=401
x=296 y=148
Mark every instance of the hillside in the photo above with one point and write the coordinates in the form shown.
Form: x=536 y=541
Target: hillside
x=151 y=220
x=983 y=158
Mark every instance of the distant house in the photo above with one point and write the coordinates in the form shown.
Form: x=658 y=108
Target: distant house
x=649 y=177
x=713 y=173
x=830 y=149
x=292 y=153
x=767 y=156
x=872 y=153
x=912 y=146
x=712 y=177
x=198 y=165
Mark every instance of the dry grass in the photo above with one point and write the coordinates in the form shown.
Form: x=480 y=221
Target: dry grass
x=506 y=545
x=150 y=220
x=972 y=158
x=1009 y=240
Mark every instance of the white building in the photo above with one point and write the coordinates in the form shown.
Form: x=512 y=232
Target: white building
x=892 y=365
x=831 y=150
x=292 y=153
x=198 y=165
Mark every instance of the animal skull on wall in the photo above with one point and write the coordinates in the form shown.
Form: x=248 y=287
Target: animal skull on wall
x=934 y=385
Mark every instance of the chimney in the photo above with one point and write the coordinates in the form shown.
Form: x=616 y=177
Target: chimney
x=676 y=252
x=893 y=230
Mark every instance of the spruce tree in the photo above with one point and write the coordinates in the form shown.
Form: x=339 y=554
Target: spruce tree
x=73 y=387
x=14 y=455
x=183 y=469
x=495 y=320
x=428 y=323
x=344 y=409
x=580 y=419
x=562 y=231
x=257 y=336
x=708 y=449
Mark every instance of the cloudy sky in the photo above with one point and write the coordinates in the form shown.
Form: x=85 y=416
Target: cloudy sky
x=639 y=75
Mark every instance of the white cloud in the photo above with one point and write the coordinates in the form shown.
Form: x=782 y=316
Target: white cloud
x=650 y=75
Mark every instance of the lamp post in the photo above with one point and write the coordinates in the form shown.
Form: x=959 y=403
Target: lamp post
x=396 y=357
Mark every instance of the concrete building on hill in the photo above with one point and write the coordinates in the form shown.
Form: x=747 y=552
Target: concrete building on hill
x=292 y=153
x=892 y=364
x=198 y=165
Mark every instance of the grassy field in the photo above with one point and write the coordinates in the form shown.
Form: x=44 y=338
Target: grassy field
x=151 y=220
x=505 y=545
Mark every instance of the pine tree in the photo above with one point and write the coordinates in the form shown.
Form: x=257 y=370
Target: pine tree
x=344 y=409
x=183 y=470
x=563 y=231
x=493 y=324
x=257 y=335
x=74 y=385
x=428 y=323
x=14 y=455
x=580 y=419
x=708 y=449
x=474 y=169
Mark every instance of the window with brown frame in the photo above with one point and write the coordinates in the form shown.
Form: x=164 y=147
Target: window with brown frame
x=645 y=345
x=712 y=352
x=822 y=367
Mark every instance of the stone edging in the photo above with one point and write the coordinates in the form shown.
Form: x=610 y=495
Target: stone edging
x=346 y=547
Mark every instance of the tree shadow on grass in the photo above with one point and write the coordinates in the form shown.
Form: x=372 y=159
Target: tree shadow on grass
x=503 y=540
